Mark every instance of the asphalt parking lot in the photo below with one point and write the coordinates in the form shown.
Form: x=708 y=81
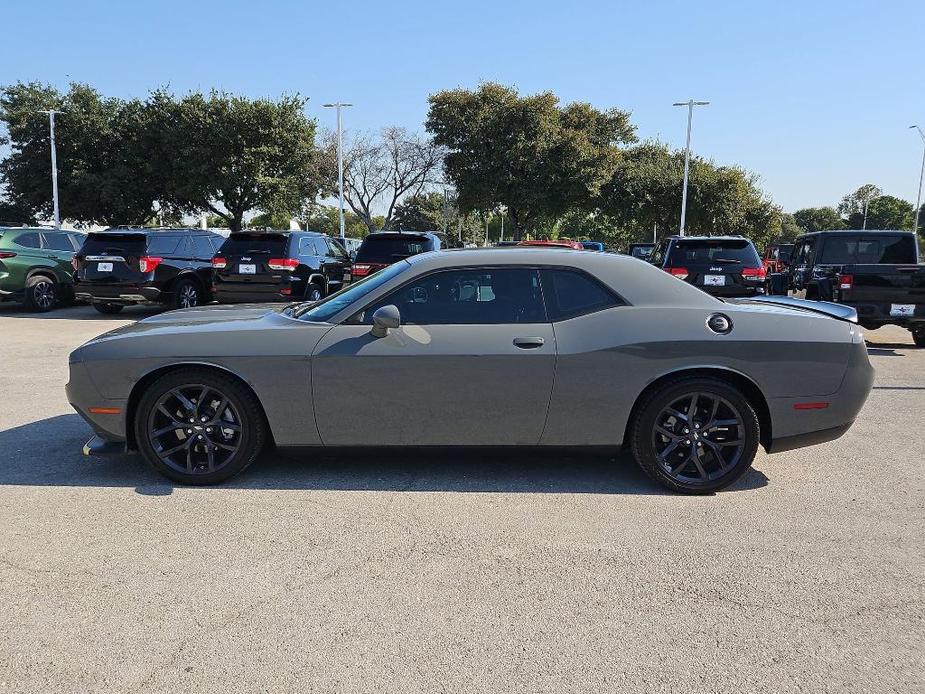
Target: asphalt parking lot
x=454 y=572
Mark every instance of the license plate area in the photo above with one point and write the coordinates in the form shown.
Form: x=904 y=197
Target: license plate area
x=347 y=277
x=247 y=269
x=104 y=267
x=714 y=280
x=902 y=310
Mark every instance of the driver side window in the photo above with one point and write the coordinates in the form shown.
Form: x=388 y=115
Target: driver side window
x=459 y=297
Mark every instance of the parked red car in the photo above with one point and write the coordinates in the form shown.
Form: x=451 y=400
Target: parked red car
x=558 y=243
x=776 y=257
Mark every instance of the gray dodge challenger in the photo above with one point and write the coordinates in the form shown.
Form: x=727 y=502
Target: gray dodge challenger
x=485 y=347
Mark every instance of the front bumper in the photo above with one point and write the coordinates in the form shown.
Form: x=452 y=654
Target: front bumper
x=83 y=395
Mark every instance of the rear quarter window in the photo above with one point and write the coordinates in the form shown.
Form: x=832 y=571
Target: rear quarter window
x=163 y=245
x=28 y=240
x=569 y=293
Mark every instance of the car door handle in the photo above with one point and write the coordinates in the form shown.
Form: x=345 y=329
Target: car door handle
x=529 y=342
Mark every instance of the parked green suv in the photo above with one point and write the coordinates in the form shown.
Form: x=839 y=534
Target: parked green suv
x=35 y=266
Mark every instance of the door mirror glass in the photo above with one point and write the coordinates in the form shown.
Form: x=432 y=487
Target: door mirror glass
x=384 y=318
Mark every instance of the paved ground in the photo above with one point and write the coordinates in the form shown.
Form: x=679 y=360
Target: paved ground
x=455 y=573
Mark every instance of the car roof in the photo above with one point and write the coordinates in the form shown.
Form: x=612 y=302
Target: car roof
x=727 y=237
x=854 y=232
x=397 y=234
x=171 y=231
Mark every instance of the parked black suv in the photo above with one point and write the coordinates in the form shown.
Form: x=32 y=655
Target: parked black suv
x=121 y=267
x=254 y=266
x=875 y=272
x=382 y=248
x=725 y=266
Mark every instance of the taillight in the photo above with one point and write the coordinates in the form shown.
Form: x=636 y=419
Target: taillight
x=679 y=272
x=283 y=263
x=219 y=262
x=286 y=292
x=6 y=254
x=845 y=281
x=754 y=273
x=147 y=263
x=361 y=269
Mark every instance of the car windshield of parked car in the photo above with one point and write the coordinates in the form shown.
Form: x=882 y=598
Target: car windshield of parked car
x=388 y=249
x=326 y=309
x=106 y=243
x=709 y=252
x=467 y=297
x=644 y=252
x=246 y=243
x=848 y=250
x=783 y=252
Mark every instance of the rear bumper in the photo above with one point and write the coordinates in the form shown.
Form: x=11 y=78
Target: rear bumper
x=877 y=314
x=123 y=294
x=225 y=294
x=82 y=394
x=793 y=427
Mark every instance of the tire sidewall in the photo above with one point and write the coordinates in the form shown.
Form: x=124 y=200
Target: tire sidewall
x=32 y=285
x=644 y=449
x=253 y=428
x=311 y=289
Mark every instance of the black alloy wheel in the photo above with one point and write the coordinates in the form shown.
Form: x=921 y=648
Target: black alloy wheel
x=199 y=427
x=695 y=435
x=313 y=292
x=41 y=294
x=186 y=295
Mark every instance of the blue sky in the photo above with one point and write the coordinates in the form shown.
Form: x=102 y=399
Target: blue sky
x=815 y=97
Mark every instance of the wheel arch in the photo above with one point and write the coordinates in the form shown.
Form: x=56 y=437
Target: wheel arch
x=186 y=275
x=321 y=279
x=43 y=271
x=151 y=376
x=749 y=389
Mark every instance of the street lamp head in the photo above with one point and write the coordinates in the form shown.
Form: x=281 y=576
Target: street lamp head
x=691 y=102
x=334 y=105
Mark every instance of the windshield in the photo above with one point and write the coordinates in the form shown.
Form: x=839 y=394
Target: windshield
x=388 y=249
x=325 y=309
x=724 y=251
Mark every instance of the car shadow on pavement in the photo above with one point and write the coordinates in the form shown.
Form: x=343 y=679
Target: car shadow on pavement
x=48 y=453
x=78 y=312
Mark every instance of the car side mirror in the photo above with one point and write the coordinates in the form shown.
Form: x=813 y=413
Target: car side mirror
x=385 y=317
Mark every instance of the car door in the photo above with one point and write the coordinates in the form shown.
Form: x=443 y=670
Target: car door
x=472 y=364
x=336 y=264
x=60 y=250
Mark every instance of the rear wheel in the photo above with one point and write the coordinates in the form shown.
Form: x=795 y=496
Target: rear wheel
x=314 y=292
x=695 y=435
x=186 y=294
x=41 y=294
x=918 y=336
x=108 y=309
x=199 y=427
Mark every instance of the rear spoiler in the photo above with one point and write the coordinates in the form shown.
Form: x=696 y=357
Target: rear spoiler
x=826 y=308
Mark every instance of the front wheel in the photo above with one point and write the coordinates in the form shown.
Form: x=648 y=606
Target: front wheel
x=695 y=435
x=41 y=294
x=918 y=336
x=199 y=427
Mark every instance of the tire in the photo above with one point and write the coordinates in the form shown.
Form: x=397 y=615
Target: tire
x=41 y=294
x=234 y=448
x=108 y=309
x=713 y=461
x=918 y=337
x=186 y=294
x=313 y=292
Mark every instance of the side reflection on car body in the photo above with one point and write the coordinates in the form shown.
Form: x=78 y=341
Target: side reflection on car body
x=491 y=347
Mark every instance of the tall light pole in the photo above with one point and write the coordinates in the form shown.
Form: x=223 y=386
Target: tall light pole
x=54 y=166
x=340 y=161
x=918 y=199
x=687 y=155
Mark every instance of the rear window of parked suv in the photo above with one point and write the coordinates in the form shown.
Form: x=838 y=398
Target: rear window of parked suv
x=709 y=252
x=242 y=244
x=389 y=249
x=863 y=251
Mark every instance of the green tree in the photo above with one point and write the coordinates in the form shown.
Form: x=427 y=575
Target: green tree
x=110 y=155
x=270 y=220
x=888 y=212
x=819 y=219
x=536 y=158
x=853 y=206
x=231 y=155
x=325 y=218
